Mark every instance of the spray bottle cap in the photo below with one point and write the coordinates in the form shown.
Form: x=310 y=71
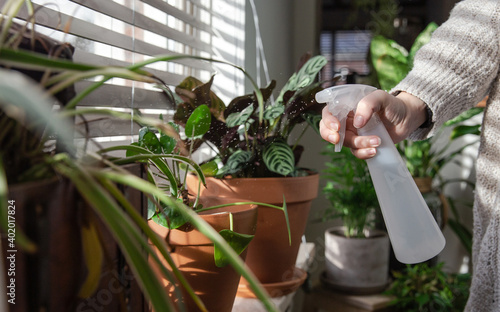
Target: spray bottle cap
x=341 y=100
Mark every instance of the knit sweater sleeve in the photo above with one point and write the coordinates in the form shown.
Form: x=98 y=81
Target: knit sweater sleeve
x=455 y=70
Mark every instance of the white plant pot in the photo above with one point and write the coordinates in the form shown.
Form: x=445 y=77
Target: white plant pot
x=356 y=265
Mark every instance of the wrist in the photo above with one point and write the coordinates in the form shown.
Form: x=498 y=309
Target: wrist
x=419 y=114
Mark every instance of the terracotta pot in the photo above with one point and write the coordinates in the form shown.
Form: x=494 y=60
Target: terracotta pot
x=193 y=254
x=356 y=265
x=270 y=256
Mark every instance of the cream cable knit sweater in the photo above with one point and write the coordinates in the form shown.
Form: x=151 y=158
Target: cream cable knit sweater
x=451 y=74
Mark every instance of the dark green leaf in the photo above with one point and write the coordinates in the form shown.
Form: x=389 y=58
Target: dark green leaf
x=170 y=217
x=199 y=122
x=464 y=235
x=210 y=168
x=313 y=120
x=462 y=130
x=151 y=142
x=239 y=242
x=167 y=144
x=130 y=152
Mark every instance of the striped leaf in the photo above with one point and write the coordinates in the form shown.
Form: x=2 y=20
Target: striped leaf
x=239 y=118
x=236 y=162
x=247 y=125
x=279 y=158
x=305 y=76
x=273 y=112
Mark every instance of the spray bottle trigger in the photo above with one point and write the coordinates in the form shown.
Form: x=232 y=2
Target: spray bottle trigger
x=338 y=146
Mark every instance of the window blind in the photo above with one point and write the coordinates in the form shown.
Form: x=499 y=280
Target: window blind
x=346 y=52
x=124 y=32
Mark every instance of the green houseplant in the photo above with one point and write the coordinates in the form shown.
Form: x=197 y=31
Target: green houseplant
x=350 y=191
x=26 y=112
x=356 y=254
x=423 y=288
x=192 y=252
x=250 y=137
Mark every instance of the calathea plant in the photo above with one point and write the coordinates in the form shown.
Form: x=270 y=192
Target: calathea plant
x=251 y=140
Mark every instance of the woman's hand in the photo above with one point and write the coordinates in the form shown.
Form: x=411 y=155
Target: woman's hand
x=401 y=115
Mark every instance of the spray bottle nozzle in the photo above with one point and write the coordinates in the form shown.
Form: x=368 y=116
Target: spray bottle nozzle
x=340 y=101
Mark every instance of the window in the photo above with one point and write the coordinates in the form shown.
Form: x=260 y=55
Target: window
x=346 y=51
x=122 y=32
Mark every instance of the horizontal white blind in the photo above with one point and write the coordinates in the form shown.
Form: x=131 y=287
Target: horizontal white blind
x=124 y=32
x=345 y=50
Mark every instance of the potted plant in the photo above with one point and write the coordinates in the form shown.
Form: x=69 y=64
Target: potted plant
x=356 y=254
x=26 y=109
x=255 y=161
x=424 y=288
x=200 y=261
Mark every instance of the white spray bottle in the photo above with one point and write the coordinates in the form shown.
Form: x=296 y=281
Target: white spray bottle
x=413 y=231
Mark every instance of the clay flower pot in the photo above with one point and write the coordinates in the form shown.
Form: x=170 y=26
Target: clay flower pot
x=270 y=256
x=193 y=254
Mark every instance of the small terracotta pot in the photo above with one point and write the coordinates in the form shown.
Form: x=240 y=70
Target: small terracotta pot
x=270 y=256
x=193 y=254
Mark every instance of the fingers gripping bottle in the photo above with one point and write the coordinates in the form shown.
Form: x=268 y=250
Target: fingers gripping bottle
x=414 y=234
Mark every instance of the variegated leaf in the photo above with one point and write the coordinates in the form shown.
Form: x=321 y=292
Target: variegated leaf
x=305 y=76
x=237 y=161
x=239 y=118
x=273 y=112
x=279 y=158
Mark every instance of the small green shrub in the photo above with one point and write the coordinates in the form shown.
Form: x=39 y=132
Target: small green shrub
x=420 y=288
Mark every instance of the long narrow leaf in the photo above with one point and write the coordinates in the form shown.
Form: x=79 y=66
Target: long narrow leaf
x=21 y=238
x=158 y=124
x=146 y=155
x=170 y=58
x=93 y=255
x=124 y=231
x=284 y=209
x=149 y=155
x=158 y=242
x=20 y=97
x=201 y=225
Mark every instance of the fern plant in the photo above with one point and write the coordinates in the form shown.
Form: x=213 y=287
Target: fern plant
x=252 y=141
x=350 y=190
